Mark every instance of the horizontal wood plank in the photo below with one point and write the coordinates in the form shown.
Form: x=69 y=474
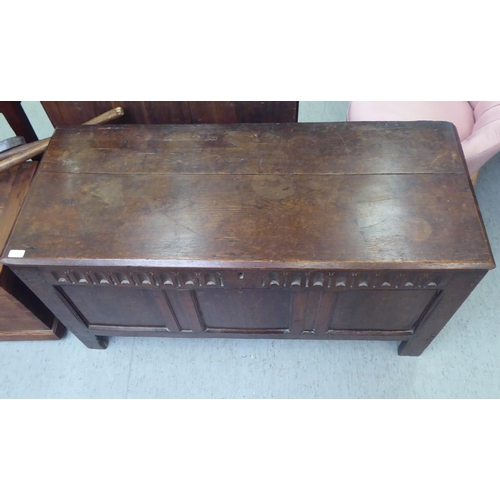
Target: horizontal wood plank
x=332 y=222
x=271 y=149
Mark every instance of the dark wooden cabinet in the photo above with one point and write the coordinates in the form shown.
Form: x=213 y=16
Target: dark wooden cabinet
x=319 y=231
x=64 y=113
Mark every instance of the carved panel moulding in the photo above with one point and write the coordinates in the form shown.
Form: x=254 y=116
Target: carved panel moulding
x=200 y=278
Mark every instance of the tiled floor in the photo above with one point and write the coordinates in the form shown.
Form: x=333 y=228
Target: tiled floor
x=463 y=361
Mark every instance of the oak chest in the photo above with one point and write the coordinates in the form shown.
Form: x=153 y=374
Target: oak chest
x=298 y=231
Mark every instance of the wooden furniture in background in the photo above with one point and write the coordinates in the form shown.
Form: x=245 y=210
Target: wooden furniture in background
x=22 y=315
x=298 y=231
x=17 y=119
x=21 y=153
x=66 y=113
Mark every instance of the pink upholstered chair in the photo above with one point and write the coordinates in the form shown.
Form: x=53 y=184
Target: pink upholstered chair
x=477 y=122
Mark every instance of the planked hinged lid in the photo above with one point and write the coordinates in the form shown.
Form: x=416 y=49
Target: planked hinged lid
x=299 y=195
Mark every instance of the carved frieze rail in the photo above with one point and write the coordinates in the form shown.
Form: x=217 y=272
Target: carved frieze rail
x=200 y=278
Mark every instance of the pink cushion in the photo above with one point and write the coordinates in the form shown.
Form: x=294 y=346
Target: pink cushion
x=484 y=142
x=460 y=113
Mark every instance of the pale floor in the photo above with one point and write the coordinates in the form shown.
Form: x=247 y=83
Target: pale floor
x=463 y=361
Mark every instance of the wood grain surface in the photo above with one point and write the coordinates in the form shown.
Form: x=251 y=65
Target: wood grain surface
x=335 y=195
x=23 y=153
x=22 y=315
x=14 y=185
x=66 y=113
x=325 y=231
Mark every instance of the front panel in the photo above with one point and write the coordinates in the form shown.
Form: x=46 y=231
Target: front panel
x=101 y=306
x=124 y=301
x=379 y=310
x=245 y=309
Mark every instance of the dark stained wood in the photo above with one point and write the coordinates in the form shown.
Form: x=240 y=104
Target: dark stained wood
x=16 y=319
x=188 y=303
x=223 y=112
x=298 y=317
x=426 y=330
x=178 y=211
x=278 y=149
x=324 y=231
x=22 y=315
x=237 y=222
x=325 y=311
x=311 y=314
x=18 y=120
x=66 y=113
x=34 y=279
x=245 y=309
x=14 y=185
x=23 y=153
x=379 y=309
x=176 y=300
x=17 y=290
x=169 y=319
x=114 y=307
x=56 y=333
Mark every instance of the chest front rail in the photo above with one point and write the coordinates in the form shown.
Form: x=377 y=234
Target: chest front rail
x=408 y=306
